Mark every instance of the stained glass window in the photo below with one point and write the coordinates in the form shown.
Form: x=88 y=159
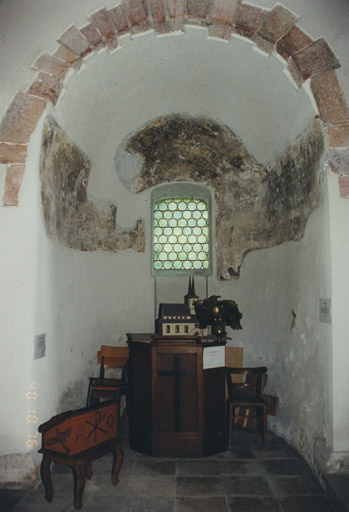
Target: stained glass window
x=181 y=235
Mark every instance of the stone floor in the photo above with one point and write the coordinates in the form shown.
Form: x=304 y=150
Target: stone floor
x=246 y=479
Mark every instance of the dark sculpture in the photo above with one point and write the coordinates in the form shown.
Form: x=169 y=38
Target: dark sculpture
x=218 y=314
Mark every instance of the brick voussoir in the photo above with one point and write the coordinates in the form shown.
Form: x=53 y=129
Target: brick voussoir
x=104 y=25
x=176 y=9
x=198 y=9
x=50 y=65
x=13 y=181
x=314 y=59
x=47 y=87
x=13 y=153
x=343 y=182
x=119 y=19
x=157 y=11
x=69 y=58
x=93 y=36
x=338 y=136
x=21 y=117
x=224 y=12
x=249 y=20
x=137 y=14
x=220 y=30
x=277 y=24
x=329 y=98
x=75 y=41
x=291 y=43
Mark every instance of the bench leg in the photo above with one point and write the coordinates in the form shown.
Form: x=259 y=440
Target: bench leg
x=46 y=477
x=118 y=460
x=79 y=483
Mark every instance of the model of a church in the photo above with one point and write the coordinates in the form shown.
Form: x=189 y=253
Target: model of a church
x=181 y=319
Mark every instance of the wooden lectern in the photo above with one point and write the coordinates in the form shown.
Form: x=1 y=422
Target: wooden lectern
x=176 y=406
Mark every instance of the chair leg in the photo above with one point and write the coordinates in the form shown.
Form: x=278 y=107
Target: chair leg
x=265 y=427
x=88 y=395
x=230 y=421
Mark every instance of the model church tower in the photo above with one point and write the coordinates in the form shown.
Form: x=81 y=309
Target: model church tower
x=181 y=319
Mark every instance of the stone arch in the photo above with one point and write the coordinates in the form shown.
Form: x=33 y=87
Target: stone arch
x=273 y=31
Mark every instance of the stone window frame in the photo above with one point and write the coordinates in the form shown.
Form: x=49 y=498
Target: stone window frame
x=185 y=190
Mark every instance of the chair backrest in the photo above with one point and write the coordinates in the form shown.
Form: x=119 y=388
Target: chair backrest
x=114 y=357
x=251 y=382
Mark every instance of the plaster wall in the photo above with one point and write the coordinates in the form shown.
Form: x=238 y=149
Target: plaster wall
x=83 y=299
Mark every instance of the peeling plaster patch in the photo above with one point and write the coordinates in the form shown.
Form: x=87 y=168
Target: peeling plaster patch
x=257 y=206
x=69 y=215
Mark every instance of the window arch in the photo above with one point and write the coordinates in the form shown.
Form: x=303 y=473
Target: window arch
x=181 y=230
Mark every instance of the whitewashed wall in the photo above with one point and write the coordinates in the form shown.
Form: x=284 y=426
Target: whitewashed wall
x=81 y=300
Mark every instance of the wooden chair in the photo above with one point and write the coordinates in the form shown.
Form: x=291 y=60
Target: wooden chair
x=246 y=394
x=103 y=387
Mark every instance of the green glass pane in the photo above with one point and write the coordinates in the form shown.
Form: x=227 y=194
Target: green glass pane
x=167 y=247
x=172 y=206
x=172 y=223
x=205 y=215
x=202 y=205
x=182 y=206
x=192 y=206
x=187 y=265
x=157 y=215
x=182 y=239
x=162 y=223
x=172 y=239
x=157 y=247
x=177 y=265
x=205 y=248
x=197 y=214
x=157 y=231
x=177 y=215
x=162 y=239
x=192 y=256
x=197 y=231
x=192 y=239
x=186 y=214
x=205 y=264
x=197 y=247
x=167 y=231
x=162 y=206
x=197 y=265
x=182 y=223
x=177 y=248
x=201 y=222
x=182 y=256
x=168 y=265
x=202 y=239
x=172 y=256
x=202 y=256
x=187 y=231
x=157 y=265
x=187 y=247
x=168 y=215
x=205 y=231
x=192 y=222
x=162 y=256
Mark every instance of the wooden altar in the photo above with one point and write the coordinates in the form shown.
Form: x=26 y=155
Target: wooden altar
x=176 y=407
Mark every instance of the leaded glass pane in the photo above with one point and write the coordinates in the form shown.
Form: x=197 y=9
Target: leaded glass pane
x=181 y=234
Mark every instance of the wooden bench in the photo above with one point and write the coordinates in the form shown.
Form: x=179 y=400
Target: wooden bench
x=76 y=439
